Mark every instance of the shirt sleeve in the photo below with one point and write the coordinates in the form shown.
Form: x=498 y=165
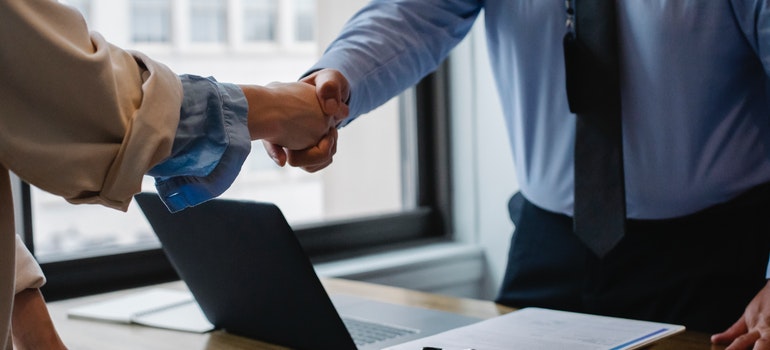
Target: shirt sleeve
x=389 y=46
x=753 y=17
x=28 y=272
x=212 y=141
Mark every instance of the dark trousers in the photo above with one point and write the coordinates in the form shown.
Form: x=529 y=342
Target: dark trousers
x=700 y=270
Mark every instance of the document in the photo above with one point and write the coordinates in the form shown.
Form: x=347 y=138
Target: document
x=160 y=308
x=544 y=329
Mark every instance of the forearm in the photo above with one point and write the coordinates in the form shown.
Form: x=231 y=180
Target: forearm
x=210 y=145
x=217 y=123
x=32 y=327
x=388 y=46
x=288 y=114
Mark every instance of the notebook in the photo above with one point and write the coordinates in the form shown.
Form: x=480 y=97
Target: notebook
x=157 y=307
x=250 y=277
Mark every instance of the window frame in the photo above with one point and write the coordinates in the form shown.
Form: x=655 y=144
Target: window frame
x=429 y=222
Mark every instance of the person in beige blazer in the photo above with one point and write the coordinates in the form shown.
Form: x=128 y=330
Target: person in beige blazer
x=86 y=120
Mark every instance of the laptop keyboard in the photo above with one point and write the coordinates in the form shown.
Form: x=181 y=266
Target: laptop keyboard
x=364 y=332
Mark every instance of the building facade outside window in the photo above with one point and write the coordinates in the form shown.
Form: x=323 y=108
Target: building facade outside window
x=260 y=20
x=150 y=21
x=208 y=21
x=367 y=177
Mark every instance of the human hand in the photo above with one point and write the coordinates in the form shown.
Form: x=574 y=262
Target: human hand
x=31 y=323
x=332 y=91
x=287 y=115
x=752 y=329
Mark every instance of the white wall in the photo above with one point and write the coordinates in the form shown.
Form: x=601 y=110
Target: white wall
x=483 y=171
x=370 y=144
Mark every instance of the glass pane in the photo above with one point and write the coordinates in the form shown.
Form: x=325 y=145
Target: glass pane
x=208 y=21
x=365 y=178
x=260 y=18
x=61 y=228
x=150 y=21
x=305 y=28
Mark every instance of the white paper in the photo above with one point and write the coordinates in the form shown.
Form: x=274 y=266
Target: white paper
x=162 y=308
x=186 y=317
x=536 y=329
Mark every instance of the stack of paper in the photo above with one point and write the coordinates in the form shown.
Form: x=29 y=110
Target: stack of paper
x=536 y=329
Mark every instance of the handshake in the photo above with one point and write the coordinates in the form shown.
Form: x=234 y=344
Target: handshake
x=297 y=122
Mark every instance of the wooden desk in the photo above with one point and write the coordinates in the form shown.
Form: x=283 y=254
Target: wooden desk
x=88 y=335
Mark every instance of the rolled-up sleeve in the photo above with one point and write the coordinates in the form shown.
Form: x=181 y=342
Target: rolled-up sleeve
x=87 y=120
x=212 y=141
x=28 y=272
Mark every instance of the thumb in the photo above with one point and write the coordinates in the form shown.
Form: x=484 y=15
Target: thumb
x=737 y=329
x=275 y=152
x=333 y=91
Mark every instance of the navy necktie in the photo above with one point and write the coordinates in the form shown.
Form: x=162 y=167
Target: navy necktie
x=593 y=91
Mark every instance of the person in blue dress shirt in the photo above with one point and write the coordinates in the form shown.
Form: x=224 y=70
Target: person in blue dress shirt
x=696 y=146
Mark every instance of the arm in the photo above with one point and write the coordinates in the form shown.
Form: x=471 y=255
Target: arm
x=216 y=125
x=100 y=117
x=31 y=323
x=389 y=46
x=86 y=120
x=385 y=48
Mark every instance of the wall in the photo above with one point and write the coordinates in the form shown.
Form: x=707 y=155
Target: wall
x=483 y=170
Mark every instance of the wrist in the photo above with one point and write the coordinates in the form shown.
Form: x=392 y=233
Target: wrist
x=262 y=105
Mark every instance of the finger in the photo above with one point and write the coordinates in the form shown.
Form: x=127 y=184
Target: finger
x=276 y=153
x=737 y=329
x=333 y=151
x=316 y=155
x=743 y=342
x=334 y=134
x=333 y=91
x=762 y=344
x=317 y=168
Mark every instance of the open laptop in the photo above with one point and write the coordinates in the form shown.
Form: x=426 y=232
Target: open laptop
x=250 y=276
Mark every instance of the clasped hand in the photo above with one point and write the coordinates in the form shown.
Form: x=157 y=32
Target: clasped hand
x=330 y=90
x=289 y=117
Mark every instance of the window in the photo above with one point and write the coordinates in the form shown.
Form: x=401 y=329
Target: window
x=260 y=20
x=305 y=23
x=150 y=21
x=388 y=184
x=208 y=21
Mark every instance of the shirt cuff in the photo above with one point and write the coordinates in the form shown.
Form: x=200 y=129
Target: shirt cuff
x=210 y=146
x=28 y=272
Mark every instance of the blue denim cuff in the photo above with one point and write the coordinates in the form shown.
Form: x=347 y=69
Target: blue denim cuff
x=211 y=144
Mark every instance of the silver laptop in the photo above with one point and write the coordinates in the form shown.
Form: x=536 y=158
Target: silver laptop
x=250 y=276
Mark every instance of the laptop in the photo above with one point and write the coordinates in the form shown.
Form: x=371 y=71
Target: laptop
x=250 y=277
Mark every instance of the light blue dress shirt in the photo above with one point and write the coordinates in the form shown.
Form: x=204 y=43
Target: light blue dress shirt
x=694 y=81
x=210 y=146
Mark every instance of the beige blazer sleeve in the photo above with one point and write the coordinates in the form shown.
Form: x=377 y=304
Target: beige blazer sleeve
x=28 y=272
x=79 y=117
